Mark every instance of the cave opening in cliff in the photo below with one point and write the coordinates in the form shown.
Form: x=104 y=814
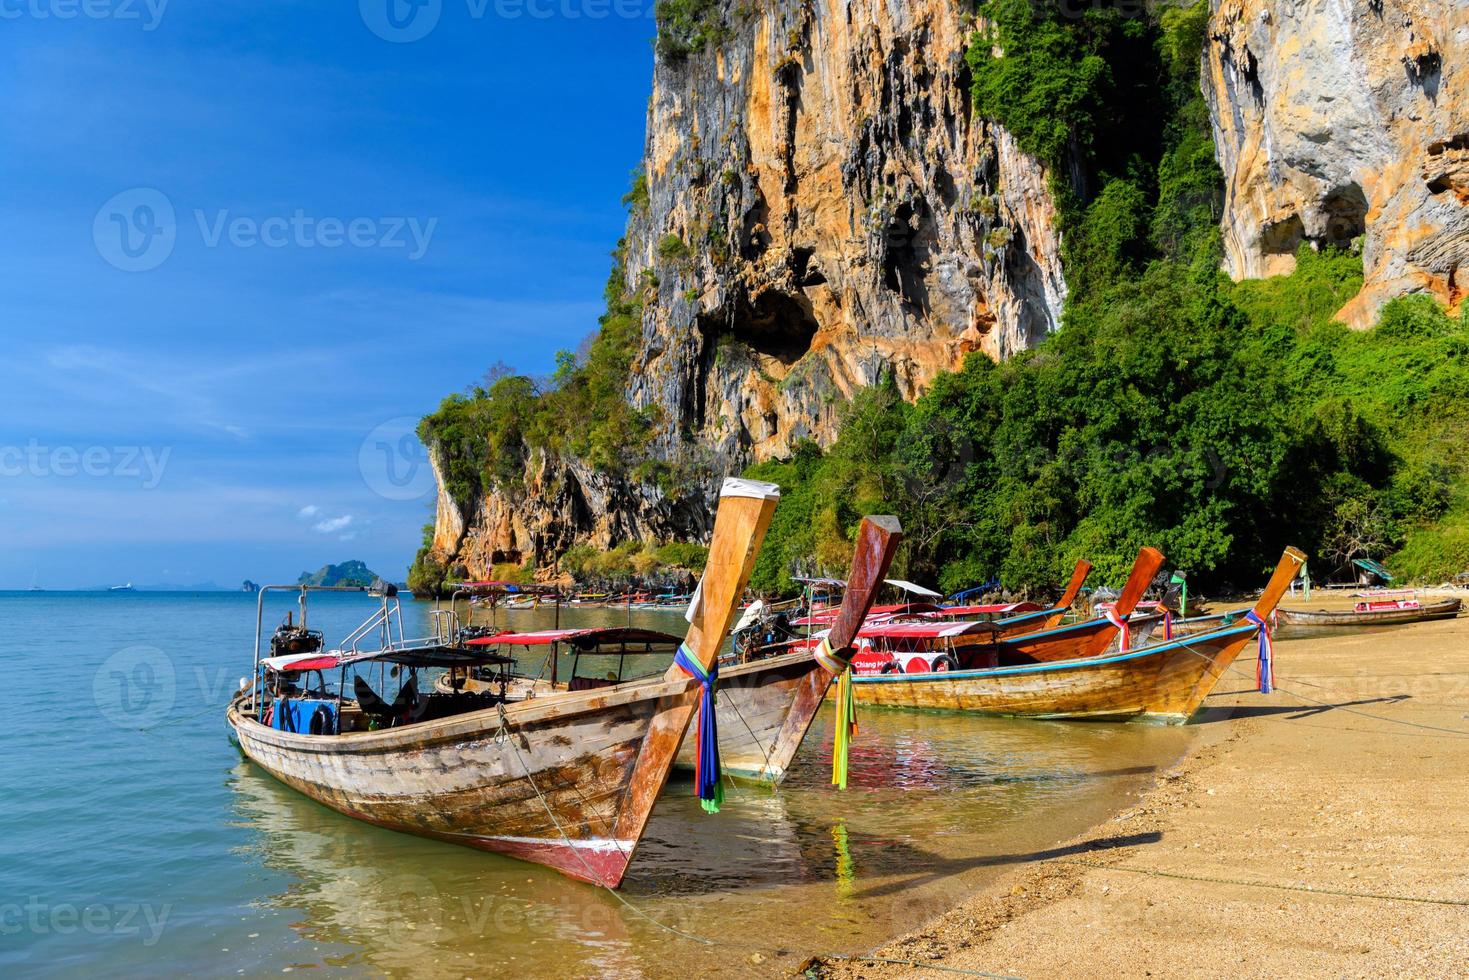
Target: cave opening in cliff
x=774 y=324
x=903 y=264
x=1346 y=216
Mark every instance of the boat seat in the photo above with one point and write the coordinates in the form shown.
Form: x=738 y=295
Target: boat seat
x=371 y=704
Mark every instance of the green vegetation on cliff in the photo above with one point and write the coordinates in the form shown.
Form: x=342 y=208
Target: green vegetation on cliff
x=484 y=438
x=1217 y=421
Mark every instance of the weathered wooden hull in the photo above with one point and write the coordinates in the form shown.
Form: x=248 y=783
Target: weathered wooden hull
x=764 y=710
x=552 y=785
x=1446 y=609
x=1165 y=682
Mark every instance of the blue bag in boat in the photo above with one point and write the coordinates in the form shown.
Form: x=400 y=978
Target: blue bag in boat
x=295 y=715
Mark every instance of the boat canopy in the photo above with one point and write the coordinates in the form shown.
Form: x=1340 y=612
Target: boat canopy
x=1006 y=609
x=826 y=617
x=421 y=656
x=921 y=631
x=582 y=639
x=912 y=589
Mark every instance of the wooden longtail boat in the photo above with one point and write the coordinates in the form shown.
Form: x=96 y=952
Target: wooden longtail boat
x=567 y=780
x=1395 y=613
x=1166 y=681
x=765 y=707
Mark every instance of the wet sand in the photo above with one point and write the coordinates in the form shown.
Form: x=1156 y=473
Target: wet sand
x=1321 y=830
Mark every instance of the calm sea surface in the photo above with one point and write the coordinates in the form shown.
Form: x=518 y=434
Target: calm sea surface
x=134 y=837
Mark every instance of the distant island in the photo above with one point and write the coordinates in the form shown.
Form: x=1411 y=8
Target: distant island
x=349 y=574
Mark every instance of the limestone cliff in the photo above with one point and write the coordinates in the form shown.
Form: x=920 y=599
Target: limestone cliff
x=1344 y=119
x=821 y=207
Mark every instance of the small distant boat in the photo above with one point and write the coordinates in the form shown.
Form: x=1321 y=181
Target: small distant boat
x=1375 y=612
x=123 y=588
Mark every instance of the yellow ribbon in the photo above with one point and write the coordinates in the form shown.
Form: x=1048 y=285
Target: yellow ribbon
x=846 y=711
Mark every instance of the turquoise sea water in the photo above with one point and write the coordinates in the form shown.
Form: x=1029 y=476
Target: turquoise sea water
x=135 y=838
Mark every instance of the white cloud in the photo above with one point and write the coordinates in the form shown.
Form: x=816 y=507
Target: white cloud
x=332 y=524
x=309 y=511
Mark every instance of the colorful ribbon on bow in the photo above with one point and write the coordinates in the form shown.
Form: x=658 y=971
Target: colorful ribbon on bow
x=1167 y=623
x=706 y=760
x=846 y=710
x=1121 y=624
x=1265 y=666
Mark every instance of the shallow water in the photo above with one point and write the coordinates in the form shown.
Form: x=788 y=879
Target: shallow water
x=162 y=849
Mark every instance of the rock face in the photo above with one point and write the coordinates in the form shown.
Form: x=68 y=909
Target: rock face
x=1340 y=119
x=565 y=502
x=822 y=207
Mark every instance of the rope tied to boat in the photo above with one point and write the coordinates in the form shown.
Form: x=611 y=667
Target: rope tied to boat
x=1122 y=626
x=706 y=758
x=834 y=663
x=1265 y=666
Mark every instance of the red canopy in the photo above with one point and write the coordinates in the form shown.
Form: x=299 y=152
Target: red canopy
x=1009 y=609
x=920 y=631
x=313 y=661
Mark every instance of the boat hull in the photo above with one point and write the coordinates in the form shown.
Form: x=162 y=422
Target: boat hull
x=552 y=783
x=1446 y=609
x=1166 y=682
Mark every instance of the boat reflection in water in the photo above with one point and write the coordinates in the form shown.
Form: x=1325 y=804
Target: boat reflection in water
x=938 y=804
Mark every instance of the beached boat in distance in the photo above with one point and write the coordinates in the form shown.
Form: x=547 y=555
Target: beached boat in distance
x=1165 y=681
x=567 y=780
x=1372 y=612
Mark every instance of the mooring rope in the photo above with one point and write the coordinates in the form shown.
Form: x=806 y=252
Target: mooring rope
x=1377 y=896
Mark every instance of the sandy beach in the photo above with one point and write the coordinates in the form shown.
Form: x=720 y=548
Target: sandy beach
x=1321 y=831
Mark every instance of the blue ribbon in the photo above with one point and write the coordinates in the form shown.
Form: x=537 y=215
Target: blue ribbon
x=1265 y=668
x=706 y=759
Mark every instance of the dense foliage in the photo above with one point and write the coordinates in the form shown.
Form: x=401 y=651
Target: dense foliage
x=1217 y=421
x=686 y=26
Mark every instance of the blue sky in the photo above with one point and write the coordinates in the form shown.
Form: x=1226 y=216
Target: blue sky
x=247 y=244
